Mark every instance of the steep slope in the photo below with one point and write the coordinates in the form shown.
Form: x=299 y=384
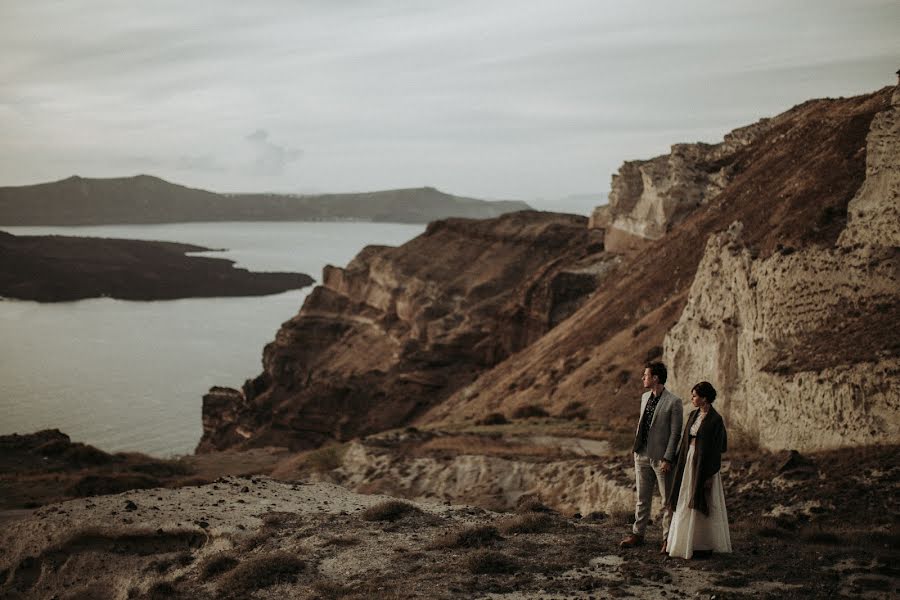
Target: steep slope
x=789 y=187
x=399 y=329
x=147 y=199
x=804 y=344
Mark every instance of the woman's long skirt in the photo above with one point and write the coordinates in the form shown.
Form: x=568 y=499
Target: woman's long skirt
x=692 y=530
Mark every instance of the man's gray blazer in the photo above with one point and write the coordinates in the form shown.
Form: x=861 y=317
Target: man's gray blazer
x=665 y=426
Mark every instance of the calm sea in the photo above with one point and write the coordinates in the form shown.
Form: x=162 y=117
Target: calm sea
x=130 y=375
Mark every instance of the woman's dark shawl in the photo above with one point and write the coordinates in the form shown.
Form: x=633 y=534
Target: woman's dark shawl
x=712 y=441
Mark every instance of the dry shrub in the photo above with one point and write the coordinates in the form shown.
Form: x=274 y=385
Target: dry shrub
x=493 y=418
x=262 y=572
x=527 y=523
x=325 y=459
x=216 y=565
x=255 y=541
x=530 y=411
x=161 y=590
x=330 y=590
x=489 y=561
x=389 y=510
x=468 y=537
x=529 y=503
x=574 y=411
x=281 y=520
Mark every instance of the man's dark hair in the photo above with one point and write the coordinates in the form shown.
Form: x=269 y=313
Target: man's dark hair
x=706 y=391
x=658 y=369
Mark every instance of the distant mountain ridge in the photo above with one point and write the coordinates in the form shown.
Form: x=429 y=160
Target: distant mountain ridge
x=145 y=199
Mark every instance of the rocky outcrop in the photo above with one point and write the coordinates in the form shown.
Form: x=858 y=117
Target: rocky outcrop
x=649 y=197
x=60 y=268
x=795 y=343
x=790 y=182
x=874 y=213
x=399 y=329
x=800 y=342
x=570 y=486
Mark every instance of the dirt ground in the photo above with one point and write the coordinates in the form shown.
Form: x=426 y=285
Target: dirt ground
x=818 y=526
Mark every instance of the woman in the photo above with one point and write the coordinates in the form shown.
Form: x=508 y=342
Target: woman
x=700 y=522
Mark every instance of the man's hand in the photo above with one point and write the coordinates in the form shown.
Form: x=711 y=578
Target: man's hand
x=665 y=466
x=707 y=485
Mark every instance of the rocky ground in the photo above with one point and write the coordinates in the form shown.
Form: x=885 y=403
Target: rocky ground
x=814 y=526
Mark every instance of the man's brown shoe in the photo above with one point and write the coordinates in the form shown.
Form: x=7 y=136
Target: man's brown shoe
x=632 y=540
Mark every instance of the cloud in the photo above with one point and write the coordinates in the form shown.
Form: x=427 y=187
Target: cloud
x=499 y=99
x=271 y=159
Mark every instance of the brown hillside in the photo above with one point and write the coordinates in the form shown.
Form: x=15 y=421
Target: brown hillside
x=790 y=189
x=399 y=329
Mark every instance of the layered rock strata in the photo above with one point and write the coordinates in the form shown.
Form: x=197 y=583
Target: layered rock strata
x=649 y=197
x=803 y=344
x=398 y=329
x=570 y=486
x=790 y=186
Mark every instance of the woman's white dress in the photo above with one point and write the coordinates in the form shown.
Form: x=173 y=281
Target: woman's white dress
x=690 y=529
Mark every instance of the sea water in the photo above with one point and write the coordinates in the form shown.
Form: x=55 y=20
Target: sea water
x=124 y=375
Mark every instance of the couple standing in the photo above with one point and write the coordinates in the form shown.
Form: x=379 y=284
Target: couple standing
x=687 y=475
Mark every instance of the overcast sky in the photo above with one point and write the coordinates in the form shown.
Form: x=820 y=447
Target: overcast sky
x=524 y=99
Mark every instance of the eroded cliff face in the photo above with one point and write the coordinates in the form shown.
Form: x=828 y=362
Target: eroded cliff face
x=399 y=329
x=803 y=344
x=790 y=186
x=573 y=485
x=649 y=197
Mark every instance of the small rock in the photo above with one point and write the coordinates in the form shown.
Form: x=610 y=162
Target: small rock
x=129 y=505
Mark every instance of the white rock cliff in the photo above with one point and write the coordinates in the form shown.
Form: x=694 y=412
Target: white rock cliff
x=801 y=345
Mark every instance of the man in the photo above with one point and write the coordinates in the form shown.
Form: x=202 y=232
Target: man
x=655 y=445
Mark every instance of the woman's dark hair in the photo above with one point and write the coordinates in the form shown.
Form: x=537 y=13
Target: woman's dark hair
x=658 y=369
x=706 y=391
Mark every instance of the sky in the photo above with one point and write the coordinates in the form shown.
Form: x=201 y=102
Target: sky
x=537 y=100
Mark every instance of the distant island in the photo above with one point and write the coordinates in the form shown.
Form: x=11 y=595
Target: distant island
x=60 y=268
x=144 y=199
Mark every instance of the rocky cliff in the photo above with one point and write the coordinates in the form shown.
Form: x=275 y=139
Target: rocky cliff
x=649 y=197
x=399 y=329
x=803 y=343
x=790 y=181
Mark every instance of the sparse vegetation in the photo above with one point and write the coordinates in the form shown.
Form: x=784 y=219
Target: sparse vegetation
x=531 y=504
x=530 y=411
x=261 y=572
x=490 y=562
x=468 y=537
x=493 y=418
x=217 y=564
x=528 y=523
x=389 y=510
